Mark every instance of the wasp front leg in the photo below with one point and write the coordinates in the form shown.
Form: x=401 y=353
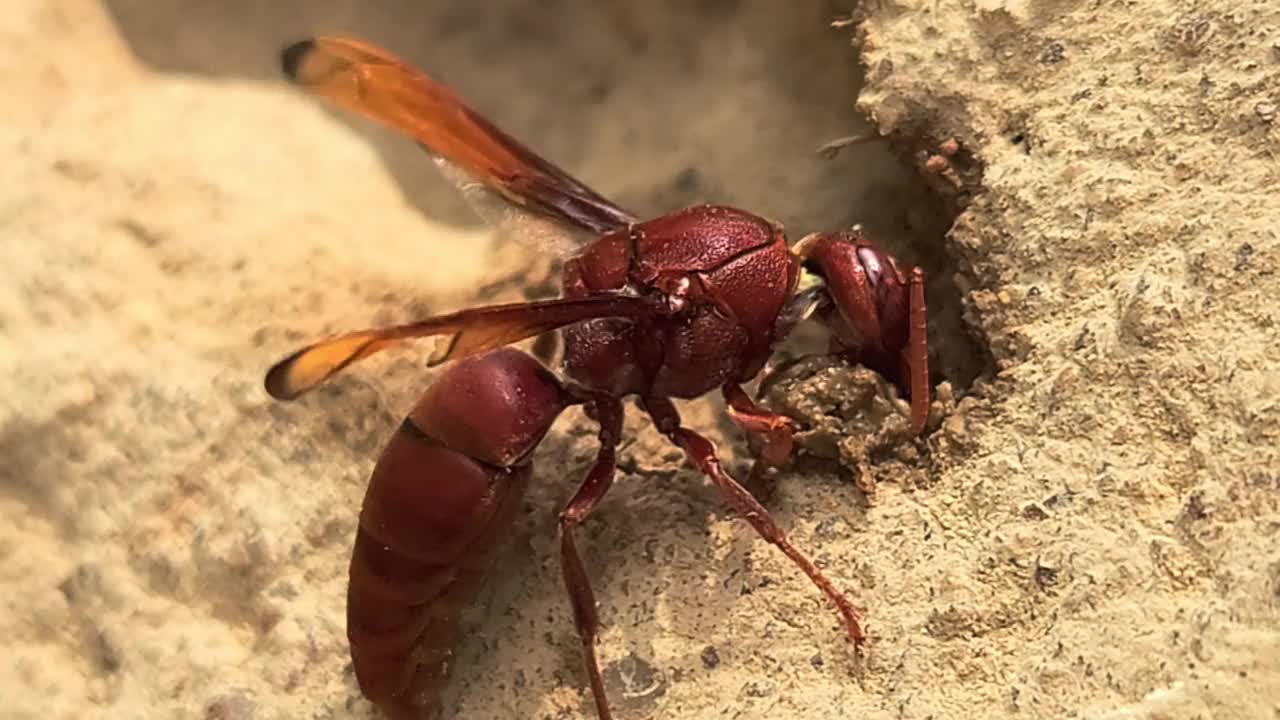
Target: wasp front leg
x=777 y=431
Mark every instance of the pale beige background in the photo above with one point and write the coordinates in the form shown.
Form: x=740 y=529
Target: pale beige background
x=1092 y=533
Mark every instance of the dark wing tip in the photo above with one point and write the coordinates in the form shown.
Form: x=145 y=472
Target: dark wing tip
x=293 y=56
x=277 y=381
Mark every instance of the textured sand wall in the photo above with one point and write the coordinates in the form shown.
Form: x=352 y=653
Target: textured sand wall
x=1112 y=520
x=1092 y=532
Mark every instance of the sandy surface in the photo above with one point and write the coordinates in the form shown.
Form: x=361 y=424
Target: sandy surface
x=1092 y=531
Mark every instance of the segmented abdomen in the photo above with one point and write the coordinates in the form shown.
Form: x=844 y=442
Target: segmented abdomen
x=438 y=504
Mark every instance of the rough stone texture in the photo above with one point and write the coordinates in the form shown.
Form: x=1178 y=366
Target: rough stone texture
x=1090 y=532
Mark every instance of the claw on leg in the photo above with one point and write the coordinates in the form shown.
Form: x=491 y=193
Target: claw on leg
x=776 y=430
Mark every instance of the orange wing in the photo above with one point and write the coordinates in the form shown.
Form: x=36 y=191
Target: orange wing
x=376 y=84
x=469 y=332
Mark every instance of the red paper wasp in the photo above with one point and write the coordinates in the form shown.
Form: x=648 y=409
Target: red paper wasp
x=672 y=307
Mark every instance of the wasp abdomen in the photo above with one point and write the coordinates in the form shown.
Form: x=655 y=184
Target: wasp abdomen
x=443 y=493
